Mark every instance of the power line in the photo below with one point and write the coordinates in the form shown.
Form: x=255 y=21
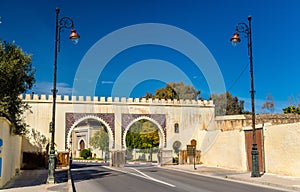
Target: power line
x=238 y=78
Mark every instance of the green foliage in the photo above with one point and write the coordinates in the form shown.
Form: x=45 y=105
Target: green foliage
x=16 y=76
x=175 y=91
x=226 y=104
x=100 y=140
x=291 y=109
x=142 y=135
x=85 y=153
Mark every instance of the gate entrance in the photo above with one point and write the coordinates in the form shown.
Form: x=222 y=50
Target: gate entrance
x=259 y=142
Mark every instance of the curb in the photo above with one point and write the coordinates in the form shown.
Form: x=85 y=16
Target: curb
x=70 y=187
x=265 y=183
x=140 y=163
x=89 y=161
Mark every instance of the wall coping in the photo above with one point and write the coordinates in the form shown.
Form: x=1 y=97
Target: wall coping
x=230 y=117
x=35 y=98
x=244 y=122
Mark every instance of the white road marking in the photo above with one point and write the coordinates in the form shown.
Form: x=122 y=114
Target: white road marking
x=142 y=175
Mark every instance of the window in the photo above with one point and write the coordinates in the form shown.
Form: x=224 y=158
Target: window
x=176 y=128
x=82 y=145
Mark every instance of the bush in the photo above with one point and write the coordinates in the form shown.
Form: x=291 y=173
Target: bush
x=175 y=160
x=85 y=153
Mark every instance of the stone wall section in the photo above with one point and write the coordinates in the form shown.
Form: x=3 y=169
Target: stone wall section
x=236 y=122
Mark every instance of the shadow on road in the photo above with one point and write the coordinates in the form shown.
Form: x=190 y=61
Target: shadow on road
x=82 y=171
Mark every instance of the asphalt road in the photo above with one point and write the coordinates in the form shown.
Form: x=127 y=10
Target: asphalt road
x=92 y=177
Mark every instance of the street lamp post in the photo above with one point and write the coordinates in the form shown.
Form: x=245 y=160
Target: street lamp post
x=194 y=153
x=64 y=22
x=244 y=28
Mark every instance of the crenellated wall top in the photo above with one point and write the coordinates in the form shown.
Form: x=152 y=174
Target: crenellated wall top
x=111 y=100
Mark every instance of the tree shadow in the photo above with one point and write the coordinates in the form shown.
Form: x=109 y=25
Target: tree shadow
x=29 y=178
x=82 y=172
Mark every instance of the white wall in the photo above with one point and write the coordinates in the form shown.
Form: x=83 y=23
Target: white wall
x=10 y=152
x=282 y=149
x=227 y=150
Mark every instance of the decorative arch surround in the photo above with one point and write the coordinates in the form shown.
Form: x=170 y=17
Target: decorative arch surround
x=158 y=119
x=72 y=119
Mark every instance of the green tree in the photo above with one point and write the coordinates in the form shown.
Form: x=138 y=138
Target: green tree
x=166 y=93
x=142 y=134
x=100 y=140
x=291 y=109
x=185 y=91
x=16 y=76
x=149 y=135
x=175 y=90
x=226 y=104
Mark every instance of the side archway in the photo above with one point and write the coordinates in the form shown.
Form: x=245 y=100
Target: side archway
x=108 y=128
x=161 y=132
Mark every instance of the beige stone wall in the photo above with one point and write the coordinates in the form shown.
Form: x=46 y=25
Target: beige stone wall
x=227 y=150
x=232 y=122
x=282 y=149
x=10 y=152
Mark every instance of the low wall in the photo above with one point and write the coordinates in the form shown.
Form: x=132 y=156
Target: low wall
x=10 y=152
x=228 y=151
x=232 y=122
x=282 y=149
x=281 y=145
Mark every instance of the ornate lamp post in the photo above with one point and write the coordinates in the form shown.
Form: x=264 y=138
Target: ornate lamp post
x=64 y=22
x=244 y=28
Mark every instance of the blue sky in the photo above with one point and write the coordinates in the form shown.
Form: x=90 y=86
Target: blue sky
x=131 y=72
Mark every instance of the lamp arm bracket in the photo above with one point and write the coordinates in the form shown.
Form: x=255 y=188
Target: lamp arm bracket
x=243 y=28
x=66 y=22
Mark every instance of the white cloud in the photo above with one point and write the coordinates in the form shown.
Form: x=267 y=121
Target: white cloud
x=107 y=82
x=47 y=87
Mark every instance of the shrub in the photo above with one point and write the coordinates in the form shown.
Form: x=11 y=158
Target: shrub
x=85 y=153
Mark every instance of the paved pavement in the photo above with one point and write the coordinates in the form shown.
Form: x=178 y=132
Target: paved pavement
x=34 y=180
x=279 y=181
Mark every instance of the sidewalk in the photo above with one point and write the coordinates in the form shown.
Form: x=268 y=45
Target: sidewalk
x=278 y=181
x=35 y=181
